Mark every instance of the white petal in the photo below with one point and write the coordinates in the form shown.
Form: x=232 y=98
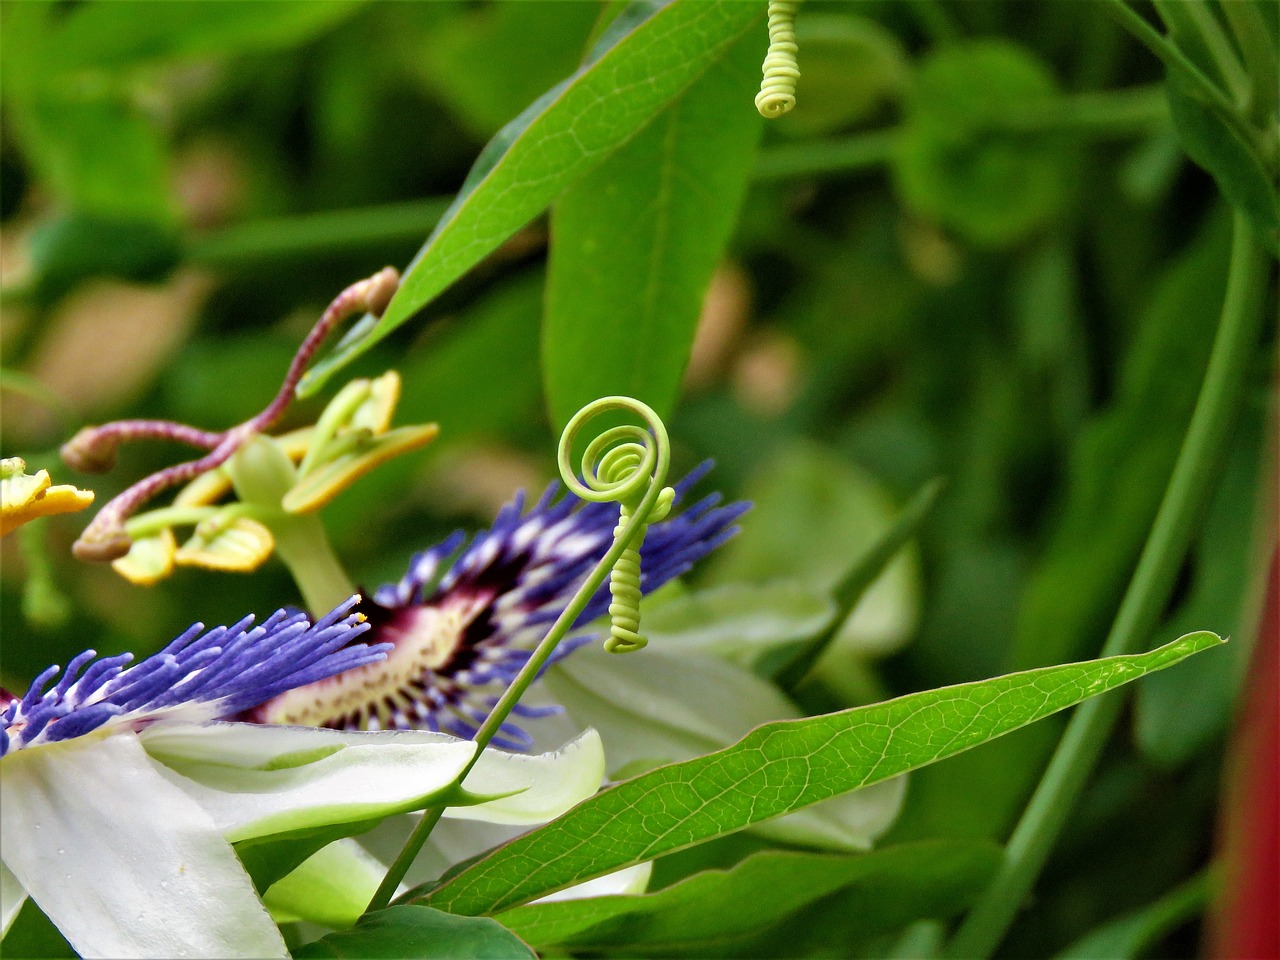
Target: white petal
x=331 y=887
x=548 y=784
x=631 y=880
x=12 y=897
x=122 y=863
x=330 y=777
x=255 y=745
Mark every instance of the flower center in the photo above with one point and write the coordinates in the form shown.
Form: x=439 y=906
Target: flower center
x=405 y=686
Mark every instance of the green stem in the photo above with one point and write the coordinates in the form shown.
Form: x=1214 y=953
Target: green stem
x=1105 y=113
x=1102 y=113
x=327 y=232
x=262 y=475
x=303 y=545
x=1194 y=475
x=861 y=151
x=564 y=623
x=1191 y=23
x=1178 y=63
x=1254 y=40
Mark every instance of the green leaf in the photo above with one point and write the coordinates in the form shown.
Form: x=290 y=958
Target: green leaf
x=32 y=934
x=1235 y=165
x=777 y=768
x=99 y=155
x=860 y=578
x=843 y=513
x=634 y=244
x=270 y=858
x=716 y=912
x=115 y=35
x=739 y=621
x=420 y=932
x=490 y=62
x=670 y=705
x=645 y=60
x=75 y=247
x=1133 y=935
x=332 y=887
x=954 y=164
x=1120 y=462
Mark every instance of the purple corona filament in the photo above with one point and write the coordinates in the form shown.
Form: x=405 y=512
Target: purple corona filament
x=200 y=676
x=93 y=448
x=461 y=631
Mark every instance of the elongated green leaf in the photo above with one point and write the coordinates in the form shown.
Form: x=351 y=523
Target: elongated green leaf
x=716 y=909
x=645 y=60
x=118 y=35
x=777 y=768
x=1134 y=934
x=420 y=932
x=642 y=234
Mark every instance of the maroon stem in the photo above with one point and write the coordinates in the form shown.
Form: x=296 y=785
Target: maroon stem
x=105 y=538
x=93 y=449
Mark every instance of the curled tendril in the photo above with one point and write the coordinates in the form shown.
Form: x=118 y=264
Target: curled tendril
x=781 y=70
x=626 y=464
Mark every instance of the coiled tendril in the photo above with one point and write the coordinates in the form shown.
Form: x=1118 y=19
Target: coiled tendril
x=626 y=464
x=781 y=70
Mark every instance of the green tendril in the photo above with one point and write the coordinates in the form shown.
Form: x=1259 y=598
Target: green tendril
x=781 y=69
x=626 y=464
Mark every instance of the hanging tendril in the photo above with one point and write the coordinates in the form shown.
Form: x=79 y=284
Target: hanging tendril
x=626 y=464
x=781 y=70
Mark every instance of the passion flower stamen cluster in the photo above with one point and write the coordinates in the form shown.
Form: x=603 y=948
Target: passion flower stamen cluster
x=460 y=633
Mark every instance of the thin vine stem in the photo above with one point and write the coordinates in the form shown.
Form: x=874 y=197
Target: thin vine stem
x=1191 y=484
x=1179 y=63
x=623 y=538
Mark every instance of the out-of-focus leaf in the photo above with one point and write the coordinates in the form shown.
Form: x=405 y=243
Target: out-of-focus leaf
x=32 y=934
x=77 y=246
x=490 y=62
x=778 y=768
x=123 y=34
x=645 y=60
x=635 y=241
x=1132 y=936
x=1178 y=713
x=716 y=912
x=739 y=621
x=1121 y=462
x=420 y=932
x=1234 y=164
x=855 y=584
x=842 y=514
x=101 y=157
x=332 y=887
x=479 y=374
x=956 y=165
x=850 y=66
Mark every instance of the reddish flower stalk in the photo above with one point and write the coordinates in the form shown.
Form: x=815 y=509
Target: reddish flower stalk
x=94 y=448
